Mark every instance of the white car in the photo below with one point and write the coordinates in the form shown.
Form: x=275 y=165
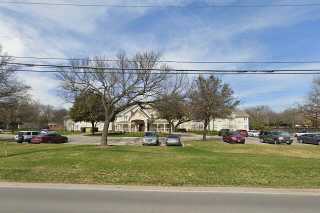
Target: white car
x=25 y=136
x=253 y=133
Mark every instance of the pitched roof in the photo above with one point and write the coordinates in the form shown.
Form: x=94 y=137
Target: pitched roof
x=240 y=113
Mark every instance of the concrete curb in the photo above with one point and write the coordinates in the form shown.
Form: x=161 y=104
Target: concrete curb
x=225 y=190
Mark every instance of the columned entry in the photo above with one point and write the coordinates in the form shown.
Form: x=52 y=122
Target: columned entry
x=138 y=126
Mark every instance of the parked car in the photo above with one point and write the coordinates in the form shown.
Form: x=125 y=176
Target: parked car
x=309 y=139
x=25 y=136
x=224 y=132
x=50 y=137
x=300 y=133
x=243 y=132
x=254 y=133
x=277 y=137
x=173 y=140
x=263 y=134
x=234 y=137
x=151 y=138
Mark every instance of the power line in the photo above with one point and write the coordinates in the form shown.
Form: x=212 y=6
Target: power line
x=188 y=72
x=156 y=69
x=211 y=5
x=168 y=61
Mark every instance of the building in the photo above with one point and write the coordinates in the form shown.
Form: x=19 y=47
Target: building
x=141 y=119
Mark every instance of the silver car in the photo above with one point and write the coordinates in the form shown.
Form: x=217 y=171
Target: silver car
x=173 y=140
x=151 y=138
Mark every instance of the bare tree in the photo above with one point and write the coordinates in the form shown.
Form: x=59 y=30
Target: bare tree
x=261 y=117
x=311 y=108
x=173 y=104
x=211 y=99
x=10 y=87
x=174 y=108
x=120 y=84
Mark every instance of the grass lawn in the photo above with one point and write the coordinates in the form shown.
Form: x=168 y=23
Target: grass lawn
x=197 y=164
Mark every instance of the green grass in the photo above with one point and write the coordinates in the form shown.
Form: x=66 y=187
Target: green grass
x=197 y=164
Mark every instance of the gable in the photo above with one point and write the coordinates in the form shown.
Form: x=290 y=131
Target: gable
x=139 y=114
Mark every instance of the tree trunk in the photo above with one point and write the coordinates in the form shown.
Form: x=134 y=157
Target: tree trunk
x=104 y=138
x=92 y=127
x=205 y=130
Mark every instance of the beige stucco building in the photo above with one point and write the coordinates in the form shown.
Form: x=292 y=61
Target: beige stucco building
x=141 y=119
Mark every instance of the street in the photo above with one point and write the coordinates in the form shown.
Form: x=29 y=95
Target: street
x=135 y=200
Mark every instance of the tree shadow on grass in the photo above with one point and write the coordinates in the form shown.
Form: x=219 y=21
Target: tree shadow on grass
x=142 y=151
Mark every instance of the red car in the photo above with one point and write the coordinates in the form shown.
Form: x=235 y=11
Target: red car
x=234 y=137
x=49 y=138
x=243 y=132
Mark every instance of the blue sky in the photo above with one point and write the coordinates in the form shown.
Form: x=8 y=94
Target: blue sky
x=213 y=34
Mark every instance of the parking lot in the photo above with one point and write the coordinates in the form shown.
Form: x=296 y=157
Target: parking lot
x=95 y=140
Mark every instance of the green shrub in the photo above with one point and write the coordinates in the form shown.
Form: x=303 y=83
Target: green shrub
x=210 y=133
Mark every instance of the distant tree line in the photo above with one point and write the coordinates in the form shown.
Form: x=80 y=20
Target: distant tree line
x=302 y=116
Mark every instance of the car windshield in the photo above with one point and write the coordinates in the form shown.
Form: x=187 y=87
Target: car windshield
x=150 y=134
x=234 y=133
x=283 y=134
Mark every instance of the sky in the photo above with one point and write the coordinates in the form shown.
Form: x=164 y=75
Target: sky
x=186 y=33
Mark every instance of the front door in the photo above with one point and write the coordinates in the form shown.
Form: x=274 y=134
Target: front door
x=140 y=125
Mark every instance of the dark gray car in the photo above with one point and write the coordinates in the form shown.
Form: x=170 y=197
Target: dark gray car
x=309 y=139
x=173 y=140
x=276 y=137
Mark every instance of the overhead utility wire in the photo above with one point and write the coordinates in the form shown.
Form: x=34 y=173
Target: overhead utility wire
x=211 y=5
x=157 y=69
x=169 y=61
x=189 y=72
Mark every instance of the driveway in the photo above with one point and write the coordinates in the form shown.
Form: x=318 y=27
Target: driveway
x=86 y=140
x=69 y=199
x=6 y=137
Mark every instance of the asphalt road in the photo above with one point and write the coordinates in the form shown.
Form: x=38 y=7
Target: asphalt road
x=51 y=200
